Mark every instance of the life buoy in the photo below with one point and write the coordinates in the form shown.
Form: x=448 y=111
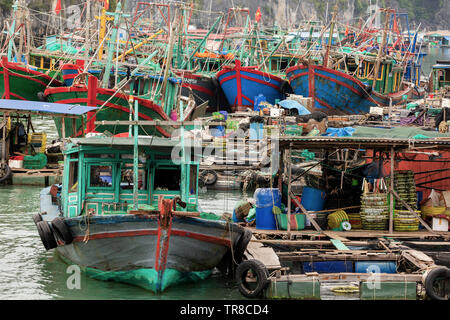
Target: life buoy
x=259 y=270
x=46 y=234
x=37 y=218
x=209 y=177
x=431 y=277
x=61 y=230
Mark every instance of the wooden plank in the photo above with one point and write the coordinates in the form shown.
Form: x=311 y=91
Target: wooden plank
x=309 y=242
x=264 y=254
x=351 y=277
x=333 y=235
x=339 y=257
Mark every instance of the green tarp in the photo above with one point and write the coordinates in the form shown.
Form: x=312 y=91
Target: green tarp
x=396 y=133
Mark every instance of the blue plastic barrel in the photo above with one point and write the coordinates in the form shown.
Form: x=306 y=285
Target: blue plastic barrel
x=218 y=131
x=265 y=199
x=328 y=266
x=256 y=131
x=313 y=199
x=375 y=267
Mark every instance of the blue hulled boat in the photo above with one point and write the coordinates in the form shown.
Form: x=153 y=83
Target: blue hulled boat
x=242 y=84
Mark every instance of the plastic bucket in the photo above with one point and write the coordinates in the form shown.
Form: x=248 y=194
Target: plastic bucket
x=313 y=199
x=265 y=219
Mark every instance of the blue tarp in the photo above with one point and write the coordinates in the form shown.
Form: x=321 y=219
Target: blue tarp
x=46 y=107
x=292 y=104
x=340 y=132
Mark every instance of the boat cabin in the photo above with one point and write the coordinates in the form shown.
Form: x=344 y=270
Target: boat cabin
x=98 y=176
x=440 y=75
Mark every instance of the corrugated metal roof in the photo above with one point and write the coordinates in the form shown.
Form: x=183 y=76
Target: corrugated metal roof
x=361 y=142
x=44 y=107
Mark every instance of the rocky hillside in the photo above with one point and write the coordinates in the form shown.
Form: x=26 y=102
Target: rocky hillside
x=430 y=14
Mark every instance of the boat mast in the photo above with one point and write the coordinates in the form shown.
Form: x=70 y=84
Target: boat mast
x=330 y=37
x=168 y=63
x=135 y=153
x=12 y=31
x=381 y=49
x=117 y=17
x=88 y=31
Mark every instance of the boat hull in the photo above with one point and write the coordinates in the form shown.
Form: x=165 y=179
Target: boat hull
x=20 y=83
x=334 y=92
x=242 y=84
x=139 y=250
x=116 y=107
x=204 y=89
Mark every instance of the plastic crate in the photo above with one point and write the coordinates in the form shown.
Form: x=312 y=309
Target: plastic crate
x=38 y=161
x=38 y=141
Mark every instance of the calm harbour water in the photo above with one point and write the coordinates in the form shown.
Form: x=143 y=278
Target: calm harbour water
x=27 y=271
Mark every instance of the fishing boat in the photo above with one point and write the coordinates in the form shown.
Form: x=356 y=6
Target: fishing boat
x=242 y=84
x=440 y=76
x=115 y=105
x=22 y=83
x=128 y=213
x=336 y=92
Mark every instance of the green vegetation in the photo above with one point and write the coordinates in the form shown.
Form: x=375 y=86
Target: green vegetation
x=6 y=4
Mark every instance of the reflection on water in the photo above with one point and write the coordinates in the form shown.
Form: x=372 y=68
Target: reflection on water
x=433 y=54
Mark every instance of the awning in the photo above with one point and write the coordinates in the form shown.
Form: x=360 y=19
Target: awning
x=44 y=107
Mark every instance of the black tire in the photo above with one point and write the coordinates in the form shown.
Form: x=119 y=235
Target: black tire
x=8 y=173
x=46 y=234
x=37 y=217
x=259 y=270
x=61 y=230
x=440 y=272
x=209 y=177
x=241 y=245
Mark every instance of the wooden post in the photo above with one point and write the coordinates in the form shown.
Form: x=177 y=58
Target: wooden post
x=330 y=37
x=289 y=163
x=63 y=127
x=391 y=194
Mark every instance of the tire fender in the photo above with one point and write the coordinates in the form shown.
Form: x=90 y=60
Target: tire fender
x=46 y=234
x=259 y=270
x=430 y=277
x=61 y=230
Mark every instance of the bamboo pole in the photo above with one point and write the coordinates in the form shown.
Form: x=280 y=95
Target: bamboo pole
x=391 y=193
x=381 y=49
x=289 y=162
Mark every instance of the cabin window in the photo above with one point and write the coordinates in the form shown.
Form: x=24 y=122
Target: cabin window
x=46 y=63
x=100 y=176
x=99 y=155
x=284 y=63
x=73 y=176
x=127 y=176
x=369 y=70
x=380 y=73
x=167 y=179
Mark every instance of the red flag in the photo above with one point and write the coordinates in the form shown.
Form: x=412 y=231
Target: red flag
x=106 y=4
x=395 y=26
x=258 y=14
x=58 y=7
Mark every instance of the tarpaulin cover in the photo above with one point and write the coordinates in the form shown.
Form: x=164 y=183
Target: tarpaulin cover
x=396 y=133
x=340 y=132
